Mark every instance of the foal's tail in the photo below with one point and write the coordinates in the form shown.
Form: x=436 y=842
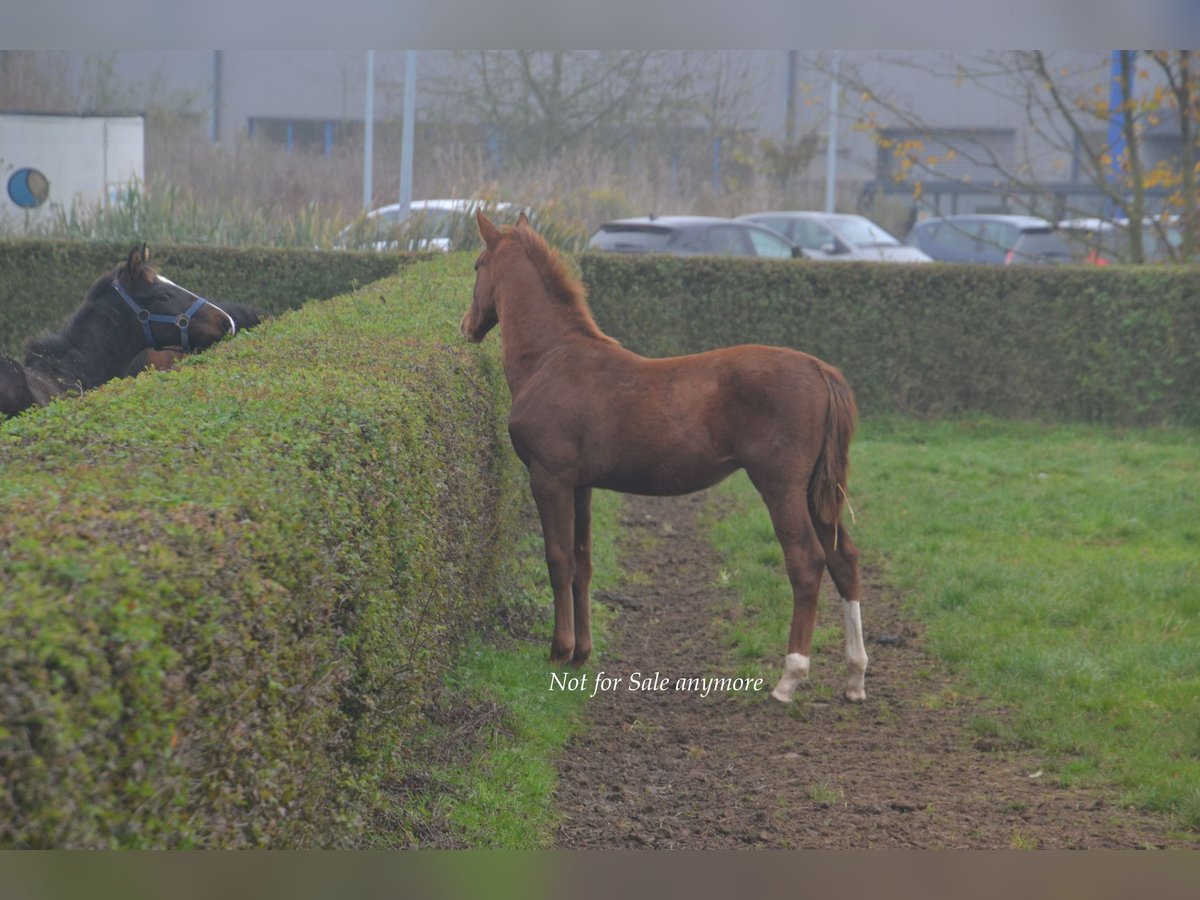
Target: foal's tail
x=828 y=485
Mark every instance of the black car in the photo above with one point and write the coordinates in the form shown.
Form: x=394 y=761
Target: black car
x=692 y=236
x=990 y=239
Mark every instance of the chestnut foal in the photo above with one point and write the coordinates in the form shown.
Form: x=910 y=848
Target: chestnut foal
x=587 y=413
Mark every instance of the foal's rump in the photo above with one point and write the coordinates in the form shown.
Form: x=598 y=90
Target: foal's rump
x=797 y=415
x=14 y=389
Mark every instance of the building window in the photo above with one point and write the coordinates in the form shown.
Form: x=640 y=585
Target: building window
x=308 y=135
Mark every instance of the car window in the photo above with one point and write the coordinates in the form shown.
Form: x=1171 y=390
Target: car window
x=864 y=233
x=631 y=237
x=958 y=238
x=1041 y=245
x=782 y=224
x=1155 y=248
x=996 y=239
x=810 y=235
x=768 y=245
x=728 y=240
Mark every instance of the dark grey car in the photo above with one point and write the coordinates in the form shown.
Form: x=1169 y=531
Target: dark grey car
x=982 y=238
x=692 y=236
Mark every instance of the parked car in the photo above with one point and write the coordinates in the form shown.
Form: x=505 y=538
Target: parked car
x=692 y=236
x=1094 y=241
x=1103 y=241
x=837 y=236
x=427 y=225
x=986 y=238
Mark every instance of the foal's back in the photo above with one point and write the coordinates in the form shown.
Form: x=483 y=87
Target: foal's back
x=674 y=425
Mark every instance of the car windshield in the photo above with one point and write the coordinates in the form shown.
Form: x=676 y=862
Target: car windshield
x=863 y=232
x=631 y=237
x=1041 y=244
x=768 y=245
x=426 y=222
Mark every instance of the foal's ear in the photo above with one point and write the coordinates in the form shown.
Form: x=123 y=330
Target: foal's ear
x=139 y=258
x=522 y=220
x=489 y=232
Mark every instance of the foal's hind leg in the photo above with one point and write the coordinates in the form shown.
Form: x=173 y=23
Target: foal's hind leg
x=805 y=563
x=583 y=575
x=842 y=558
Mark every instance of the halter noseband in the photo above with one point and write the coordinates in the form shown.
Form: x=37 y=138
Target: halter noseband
x=181 y=321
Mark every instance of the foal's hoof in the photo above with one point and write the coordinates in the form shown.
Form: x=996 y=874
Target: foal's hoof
x=795 y=672
x=855 y=692
x=561 y=656
x=580 y=656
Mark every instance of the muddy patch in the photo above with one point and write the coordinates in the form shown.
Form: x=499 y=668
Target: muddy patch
x=672 y=769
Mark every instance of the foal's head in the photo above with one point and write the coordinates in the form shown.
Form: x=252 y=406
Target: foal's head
x=141 y=302
x=483 y=316
x=544 y=276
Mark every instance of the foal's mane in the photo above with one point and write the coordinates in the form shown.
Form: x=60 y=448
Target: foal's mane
x=556 y=276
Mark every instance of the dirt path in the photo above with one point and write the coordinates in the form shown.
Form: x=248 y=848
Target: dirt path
x=670 y=769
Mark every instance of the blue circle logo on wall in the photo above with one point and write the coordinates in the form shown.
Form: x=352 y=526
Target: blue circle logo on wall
x=28 y=188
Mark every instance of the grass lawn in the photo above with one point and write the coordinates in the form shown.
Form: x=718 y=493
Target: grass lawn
x=497 y=791
x=1057 y=570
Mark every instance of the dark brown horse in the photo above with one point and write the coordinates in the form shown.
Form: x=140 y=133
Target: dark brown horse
x=125 y=311
x=587 y=413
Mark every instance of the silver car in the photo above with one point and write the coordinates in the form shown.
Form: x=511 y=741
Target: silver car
x=838 y=236
x=426 y=225
x=691 y=236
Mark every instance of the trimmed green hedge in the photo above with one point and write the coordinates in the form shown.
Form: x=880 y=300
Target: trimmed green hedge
x=1115 y=344
x=225 y=589
x=43 y=281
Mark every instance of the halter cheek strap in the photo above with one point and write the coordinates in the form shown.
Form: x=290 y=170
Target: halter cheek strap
x=146 y=317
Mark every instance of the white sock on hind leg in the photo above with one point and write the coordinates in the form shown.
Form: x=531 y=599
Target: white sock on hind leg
x=856 y=652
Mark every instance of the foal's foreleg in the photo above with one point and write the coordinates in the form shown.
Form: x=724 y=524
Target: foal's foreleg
x=583 y=576
x=556 y=509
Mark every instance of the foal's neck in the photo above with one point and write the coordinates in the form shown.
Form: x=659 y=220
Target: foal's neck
x=535 y=323
x=85 y=353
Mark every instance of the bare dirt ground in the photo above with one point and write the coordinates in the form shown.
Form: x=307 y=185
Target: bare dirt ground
x=669 y=769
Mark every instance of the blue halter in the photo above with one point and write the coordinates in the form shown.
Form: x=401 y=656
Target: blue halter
x=146 y=317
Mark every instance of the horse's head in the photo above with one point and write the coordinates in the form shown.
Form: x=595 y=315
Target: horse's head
x=165 y=314
x=483 y=315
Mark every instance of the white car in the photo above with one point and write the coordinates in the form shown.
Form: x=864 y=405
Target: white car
x=427 y=225
x=838 y=236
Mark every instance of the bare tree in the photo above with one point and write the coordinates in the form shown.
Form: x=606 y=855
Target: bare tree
x=1068 y=110
x=1179 y=72
x=673 y=107
x=540 y=103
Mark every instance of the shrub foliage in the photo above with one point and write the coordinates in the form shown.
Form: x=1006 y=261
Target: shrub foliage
x=43 y=281
x=1118 y=344
x=225 y=589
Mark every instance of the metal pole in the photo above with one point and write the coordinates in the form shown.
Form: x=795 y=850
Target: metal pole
x=406 y=136
x=831 y=155
x=216 y=97
x=369 y=136
x=1116 y=130
x=789 y=113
